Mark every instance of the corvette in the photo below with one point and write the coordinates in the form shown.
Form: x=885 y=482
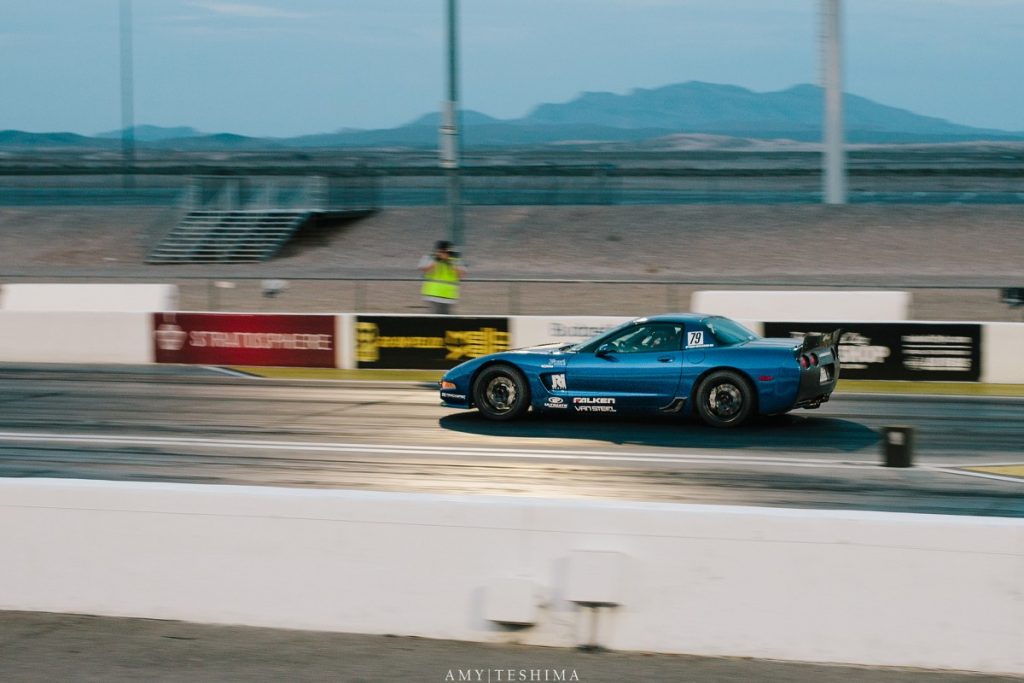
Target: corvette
x=691 y=364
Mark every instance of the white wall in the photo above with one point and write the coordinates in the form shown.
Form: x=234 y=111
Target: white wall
x=785 y=305
x=75 y=337
x=532 y=330
x=1002 y=353
x=135 y=298
x=860 y=587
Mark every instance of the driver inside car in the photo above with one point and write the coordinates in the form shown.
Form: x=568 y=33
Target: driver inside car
x=659 y=339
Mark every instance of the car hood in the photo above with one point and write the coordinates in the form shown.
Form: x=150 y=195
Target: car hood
x=544 y=349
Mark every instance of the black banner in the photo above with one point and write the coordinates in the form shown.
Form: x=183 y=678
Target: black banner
x=426 y=342
x=921 y=352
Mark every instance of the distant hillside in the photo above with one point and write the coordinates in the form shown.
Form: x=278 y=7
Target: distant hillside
x=655 y=118
x=20 y=138
x=155 y=133
x=795 y=113
x=468 y=117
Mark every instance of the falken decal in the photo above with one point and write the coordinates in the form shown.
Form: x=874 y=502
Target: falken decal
x=593 y=404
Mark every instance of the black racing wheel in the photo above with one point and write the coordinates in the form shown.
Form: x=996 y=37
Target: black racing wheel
x=725 y=399
x=500 y=392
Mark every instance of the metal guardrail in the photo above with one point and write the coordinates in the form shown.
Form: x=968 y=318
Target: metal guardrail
x=371 y=189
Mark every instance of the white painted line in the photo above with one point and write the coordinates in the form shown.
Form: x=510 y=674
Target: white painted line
x=456 y=451
x=980 y=475
x=230 y=372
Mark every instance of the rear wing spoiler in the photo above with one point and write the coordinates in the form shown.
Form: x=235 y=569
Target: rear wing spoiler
x=814 y=340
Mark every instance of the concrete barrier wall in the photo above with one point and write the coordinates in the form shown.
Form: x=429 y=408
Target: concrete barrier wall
x=533 y=330
x=1002 y=353
x=111 y=337
x=825 y=586
x=75 y=337
x=126 y=298
x=807 y=306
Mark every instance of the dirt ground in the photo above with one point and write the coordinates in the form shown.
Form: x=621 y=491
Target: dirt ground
x=49 y=647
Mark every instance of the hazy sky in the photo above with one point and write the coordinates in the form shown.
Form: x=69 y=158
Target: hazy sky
x=288 y=67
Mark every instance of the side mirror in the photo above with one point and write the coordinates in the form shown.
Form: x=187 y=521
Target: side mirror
x=603 y=350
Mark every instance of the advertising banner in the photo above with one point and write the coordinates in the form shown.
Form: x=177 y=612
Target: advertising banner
x=306 y=341
x=572 y=329
x=426 y=342
x=921 y=352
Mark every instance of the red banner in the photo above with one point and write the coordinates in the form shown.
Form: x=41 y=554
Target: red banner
x=306 y=341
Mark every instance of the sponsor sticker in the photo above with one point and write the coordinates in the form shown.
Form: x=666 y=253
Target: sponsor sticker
x=556 y=402
x=695 y=340
x=558 y=381
x=453 y=397
x=594 y=404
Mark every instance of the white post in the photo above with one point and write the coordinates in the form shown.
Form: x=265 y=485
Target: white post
x=450 y=131
x=832 y=75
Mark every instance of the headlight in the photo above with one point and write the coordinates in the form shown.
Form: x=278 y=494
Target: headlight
x=445 y=384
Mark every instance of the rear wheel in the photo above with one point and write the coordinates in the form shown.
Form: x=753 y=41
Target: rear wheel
x=501 y=393
x=725 y=399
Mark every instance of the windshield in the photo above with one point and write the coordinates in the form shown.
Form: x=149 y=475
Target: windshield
x=728 y=332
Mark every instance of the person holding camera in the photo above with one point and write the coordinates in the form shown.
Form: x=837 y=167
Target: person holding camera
x=441 y=276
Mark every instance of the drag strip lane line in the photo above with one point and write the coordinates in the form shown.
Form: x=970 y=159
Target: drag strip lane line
x=473 y=451
x=452 y=451
x=980 y=475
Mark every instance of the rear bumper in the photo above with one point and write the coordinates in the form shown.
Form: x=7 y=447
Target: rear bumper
x=816 y=385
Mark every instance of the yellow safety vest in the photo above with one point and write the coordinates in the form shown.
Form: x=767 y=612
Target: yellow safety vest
x=441 y=281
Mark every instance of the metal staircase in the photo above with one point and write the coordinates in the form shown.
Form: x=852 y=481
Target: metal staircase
x=225 y=236
x=233 y=219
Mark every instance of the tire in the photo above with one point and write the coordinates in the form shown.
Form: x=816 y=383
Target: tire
x=725 y=399
x=500 y=392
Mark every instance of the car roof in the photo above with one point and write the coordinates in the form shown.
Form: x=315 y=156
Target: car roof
x=677 y=318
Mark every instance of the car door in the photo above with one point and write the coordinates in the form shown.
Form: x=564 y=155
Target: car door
x=636 y=369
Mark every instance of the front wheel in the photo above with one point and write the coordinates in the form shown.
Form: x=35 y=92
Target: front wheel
x=501 y=393
x=724 y=399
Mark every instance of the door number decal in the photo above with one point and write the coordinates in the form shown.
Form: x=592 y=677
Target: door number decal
x=695 y=338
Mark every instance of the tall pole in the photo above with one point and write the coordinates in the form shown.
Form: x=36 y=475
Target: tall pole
x=450 y=132
x=832 y=75
x=127 y=96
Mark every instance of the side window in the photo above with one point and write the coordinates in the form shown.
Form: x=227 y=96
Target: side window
x=698 y=337
x=649 y=338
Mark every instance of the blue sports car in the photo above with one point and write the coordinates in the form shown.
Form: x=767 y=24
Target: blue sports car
x=708 y=366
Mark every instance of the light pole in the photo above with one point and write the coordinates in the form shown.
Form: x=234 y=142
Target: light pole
x=127 y=96
x=449 y=132
x=832 y=77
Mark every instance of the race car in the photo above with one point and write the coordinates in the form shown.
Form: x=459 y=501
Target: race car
x=691 y=364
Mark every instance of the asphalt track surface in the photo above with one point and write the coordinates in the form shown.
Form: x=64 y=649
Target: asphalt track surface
x=199 y=425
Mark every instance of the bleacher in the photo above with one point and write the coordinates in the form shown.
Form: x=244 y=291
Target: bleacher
x=228 y=236
x=239 y=220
